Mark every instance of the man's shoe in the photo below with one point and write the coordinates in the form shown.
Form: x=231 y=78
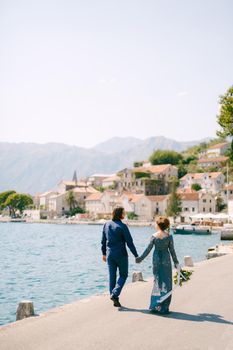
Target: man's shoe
x=115 y=300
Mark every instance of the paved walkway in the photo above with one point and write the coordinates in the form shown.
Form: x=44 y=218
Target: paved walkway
x=201 y=319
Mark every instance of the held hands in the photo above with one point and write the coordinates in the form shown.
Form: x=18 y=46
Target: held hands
x=138 y=260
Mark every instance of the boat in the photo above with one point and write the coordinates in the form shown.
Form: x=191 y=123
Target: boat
x=227 y=232
x=18 y=220
x=191 y=230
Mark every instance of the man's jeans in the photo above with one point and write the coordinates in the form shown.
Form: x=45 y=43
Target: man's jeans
x=121 y=263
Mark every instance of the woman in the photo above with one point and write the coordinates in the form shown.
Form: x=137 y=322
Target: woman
x=162 y=241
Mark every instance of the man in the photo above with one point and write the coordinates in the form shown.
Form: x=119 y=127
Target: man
x=114 y=239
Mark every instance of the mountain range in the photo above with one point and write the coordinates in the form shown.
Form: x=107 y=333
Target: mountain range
x=33 y=168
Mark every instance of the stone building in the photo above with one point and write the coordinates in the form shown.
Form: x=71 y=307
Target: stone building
x=148 y=179
x=211 y=182
x=218 y=149
x=217 y=162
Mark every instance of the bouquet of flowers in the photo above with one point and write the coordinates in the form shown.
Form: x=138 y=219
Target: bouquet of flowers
x=182 y=276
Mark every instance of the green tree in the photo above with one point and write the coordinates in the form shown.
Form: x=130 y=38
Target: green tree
x=70 y=199
x=196 y=187
x=165 y=157
x=18 y=201
x=75 y=211
x=225 y=117
x=132 y=216
x=220 y=206
x=182 y=170
x=99 y=188
x=3 y=198
x=141 y=175
x=189 y=158
x=137 y=164
x=174 y=203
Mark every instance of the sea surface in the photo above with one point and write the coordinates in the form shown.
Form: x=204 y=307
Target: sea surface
x=57 y=264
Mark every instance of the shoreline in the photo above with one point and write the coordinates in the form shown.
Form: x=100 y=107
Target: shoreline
x=130 y=223
x=73 y=222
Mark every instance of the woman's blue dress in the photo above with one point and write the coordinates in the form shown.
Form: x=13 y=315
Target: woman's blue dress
x=162 y=271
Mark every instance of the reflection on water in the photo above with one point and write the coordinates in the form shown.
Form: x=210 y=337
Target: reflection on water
x=56 y=264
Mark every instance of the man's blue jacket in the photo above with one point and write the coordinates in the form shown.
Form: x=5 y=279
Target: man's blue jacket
x=115 y=235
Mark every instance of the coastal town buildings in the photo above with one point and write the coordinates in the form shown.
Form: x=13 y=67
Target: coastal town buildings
x=65 y=186
x=193 y=202
x=102 y=204
x=218 y=149
x=96 y=180
x=230 y=207
x=189 y=205
x=58 y=204
x=212 y=182
x=142 y=190
x=147 y=207
x=36 y=200
x=214 y=157
x=144 y=207
x=147 y=179
x=94 y=205
x=207 y=202
x=227 y=193
x=44 y=199
x=216 y=162
x=111 y=181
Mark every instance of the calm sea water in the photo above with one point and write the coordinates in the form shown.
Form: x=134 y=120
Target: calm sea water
x=56 y=264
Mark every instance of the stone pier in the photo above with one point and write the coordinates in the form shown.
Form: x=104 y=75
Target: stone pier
x=201 y=318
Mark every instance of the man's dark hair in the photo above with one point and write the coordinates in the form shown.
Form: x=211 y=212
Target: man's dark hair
x=117 y=213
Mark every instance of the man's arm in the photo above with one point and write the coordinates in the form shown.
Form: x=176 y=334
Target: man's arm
x=103 y=244
x=129 y=241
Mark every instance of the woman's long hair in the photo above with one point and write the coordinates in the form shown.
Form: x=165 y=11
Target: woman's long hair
x=117 y=213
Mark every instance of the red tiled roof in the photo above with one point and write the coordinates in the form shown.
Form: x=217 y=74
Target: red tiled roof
x=214 y=174
x=95 y=196
x=185 y=190
x=133 y=197
x=212 y=160
x=47 y=193
x=154 y=169
x=88 y=189
x=197 y=176
x=219 y=145
x=189 y=196
x=136 y=197
x=73 y=183
x=229 y=187
x=159 y=198
x=112 y=178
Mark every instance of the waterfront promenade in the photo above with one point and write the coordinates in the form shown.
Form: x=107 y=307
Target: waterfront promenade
x=201 y=318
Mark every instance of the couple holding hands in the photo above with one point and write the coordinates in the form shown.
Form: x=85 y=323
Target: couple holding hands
x=116 y=236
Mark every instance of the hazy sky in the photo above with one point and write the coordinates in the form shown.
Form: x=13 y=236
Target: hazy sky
x=80 y=72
